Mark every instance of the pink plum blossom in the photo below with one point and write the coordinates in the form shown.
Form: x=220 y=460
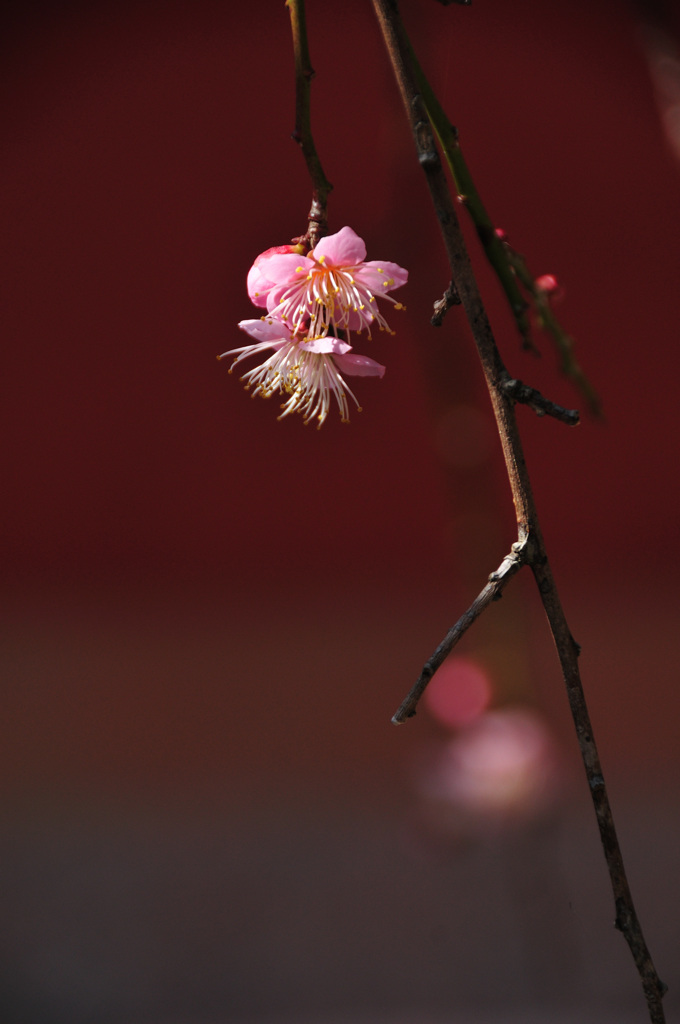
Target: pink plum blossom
x=331 y=289
x=307 y=370
x=258 y=285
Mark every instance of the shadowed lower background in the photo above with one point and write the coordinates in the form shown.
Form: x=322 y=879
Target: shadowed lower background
x=209 y=616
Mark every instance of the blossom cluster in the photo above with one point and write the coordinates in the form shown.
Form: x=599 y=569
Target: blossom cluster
x=313 y=303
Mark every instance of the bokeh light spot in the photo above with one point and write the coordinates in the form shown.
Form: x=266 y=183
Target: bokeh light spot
x=459 y=693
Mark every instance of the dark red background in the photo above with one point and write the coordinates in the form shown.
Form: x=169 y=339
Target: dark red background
x=198 y=596
x=147 y=160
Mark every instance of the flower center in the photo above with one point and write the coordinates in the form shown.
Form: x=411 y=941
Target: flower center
x=330 y=298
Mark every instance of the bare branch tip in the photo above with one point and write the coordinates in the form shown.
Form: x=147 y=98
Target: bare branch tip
x=542 y=406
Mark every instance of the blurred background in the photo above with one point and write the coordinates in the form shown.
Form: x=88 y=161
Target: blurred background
x=209 y=617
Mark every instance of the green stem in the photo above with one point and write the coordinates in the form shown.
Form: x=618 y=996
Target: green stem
x=447 y=135
x=508 y=265
x=549 y=322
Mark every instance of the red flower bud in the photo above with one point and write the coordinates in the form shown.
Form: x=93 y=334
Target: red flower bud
x=547 y=283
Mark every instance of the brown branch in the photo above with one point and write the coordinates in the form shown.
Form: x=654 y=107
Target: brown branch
x=542 y=406
x=443 y=305
x=493 y=591
x=304 y=73
x=529 y=533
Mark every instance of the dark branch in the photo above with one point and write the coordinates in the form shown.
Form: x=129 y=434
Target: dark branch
x=491 y=592
x=304 y=72
x=528 y=526
x=520 y=392
x=443 y=305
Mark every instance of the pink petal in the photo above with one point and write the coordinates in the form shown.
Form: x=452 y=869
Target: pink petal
x=268 y=329
x=353 y=322
x=274 y=297
x=282 y=268
x=258 y=286
x=381 y=275
x=343 y=249
x=327 y=344
x=276 y=249
x=258 y=282
x=358 y=366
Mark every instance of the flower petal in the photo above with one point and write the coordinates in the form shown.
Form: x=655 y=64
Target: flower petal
x=343 y=249
x=285 y=268
x=326 y=344
x=266 y=329
x=258 y=286
x=381 y=275
x=358 y=366
x=355 y=321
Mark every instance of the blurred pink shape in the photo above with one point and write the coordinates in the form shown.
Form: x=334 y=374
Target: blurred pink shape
x=459 y=692
x=501 y=768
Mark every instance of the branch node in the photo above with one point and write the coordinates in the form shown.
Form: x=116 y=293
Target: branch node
x=518 y=391
x=497 y=581
x=443 y=305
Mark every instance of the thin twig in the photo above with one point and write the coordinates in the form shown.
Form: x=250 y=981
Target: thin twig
x=529 y=532
x=509 y=266
x=548 y=321
x=304 y=72
x=520 y=392
x=493 y=590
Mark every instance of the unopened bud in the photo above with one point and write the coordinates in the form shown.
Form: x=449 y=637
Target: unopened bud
x=277 y=250
x=547 y=283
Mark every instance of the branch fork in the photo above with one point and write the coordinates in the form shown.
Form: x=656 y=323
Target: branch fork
x=493 y=591
x=423 y=110
x=425 y=114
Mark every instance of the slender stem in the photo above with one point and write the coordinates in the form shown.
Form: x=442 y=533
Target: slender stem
x=549 y=322
x=509 y=266
x=447 y=136
x=530 y=539
x=304 y=72
x=626 y=917
x=535 y=400
x=493 y=590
